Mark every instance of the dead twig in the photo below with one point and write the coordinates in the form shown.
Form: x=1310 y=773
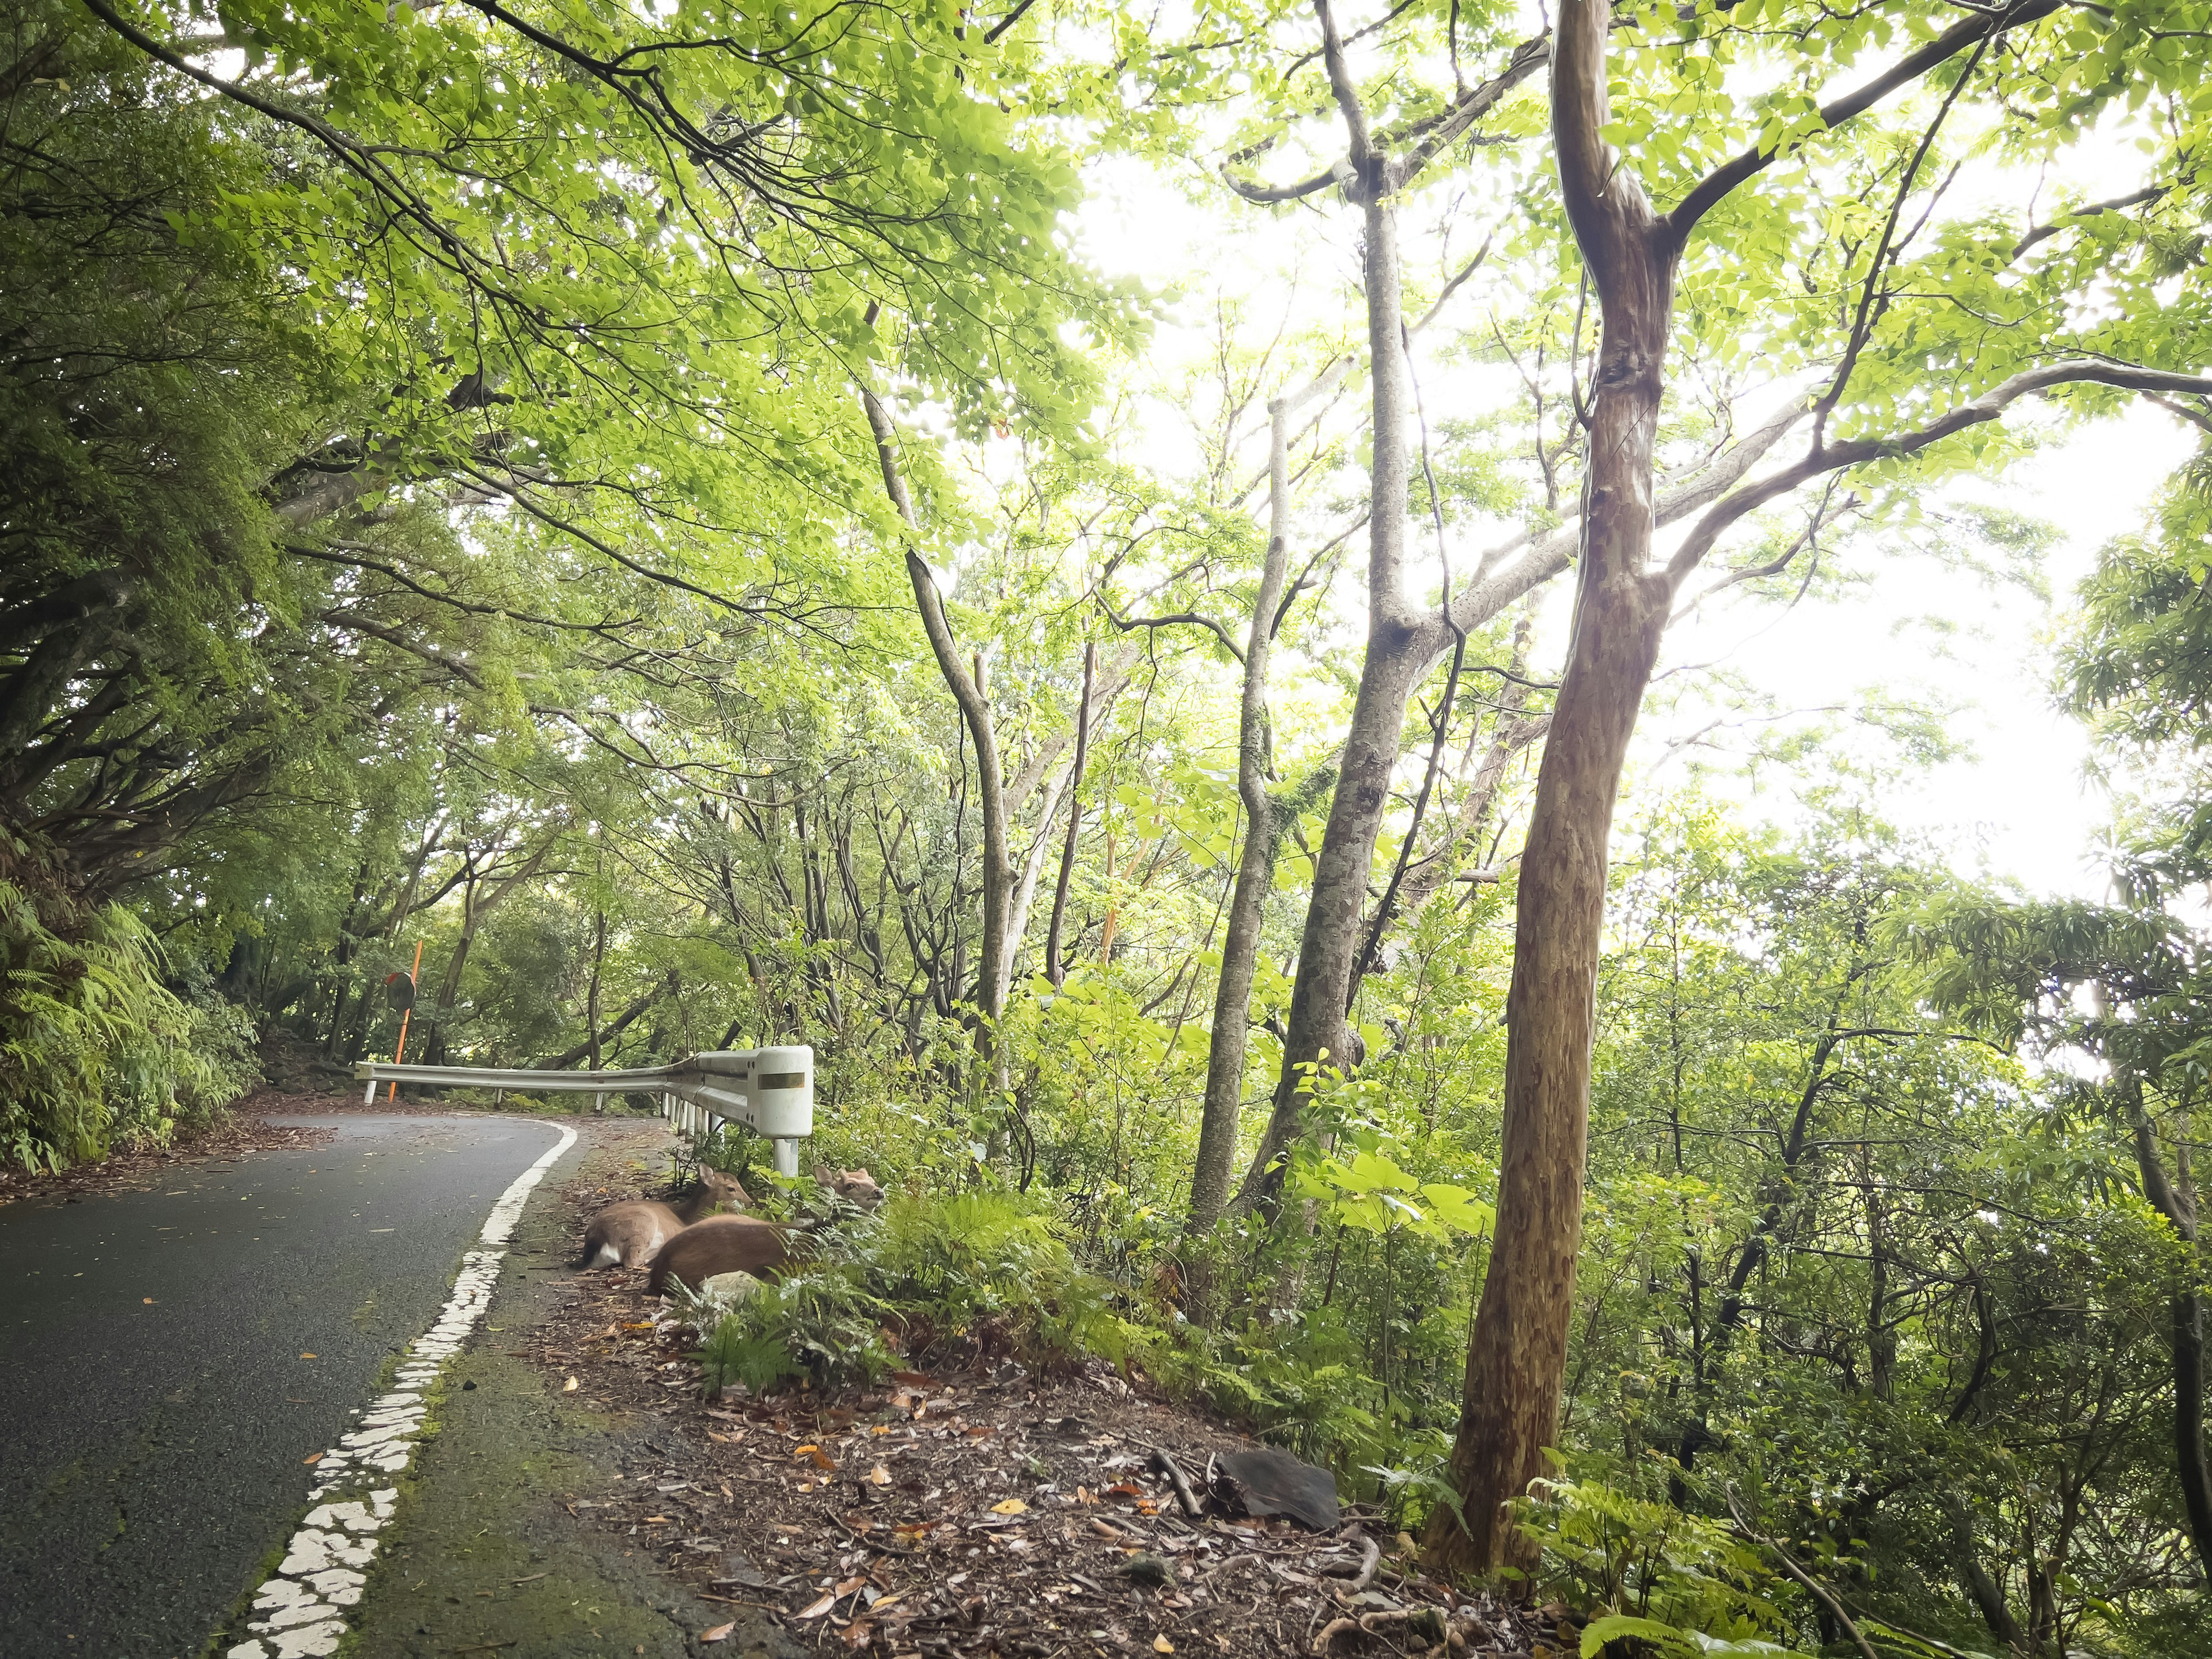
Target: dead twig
x=1184 y=1496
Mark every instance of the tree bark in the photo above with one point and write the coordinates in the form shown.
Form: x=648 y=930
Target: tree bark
x=1511 y=1404
x=1056 y=969
x=1255 y=867
x=1405 y=643
x=613 y=1029
x=1986 y=1594
x=1397 y=653
x=1422 y=878
x=2174 y=1201
x=592 y=993
x=976 y=711
x=480 y=896
x=1017 y=911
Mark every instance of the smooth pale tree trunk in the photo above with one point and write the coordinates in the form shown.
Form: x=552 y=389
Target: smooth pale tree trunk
x=1017 y=915
x=1509 y=1410
x=1255 y=866
x=976 y=711
x=1398 y=652
x=1421 y=879
x=1404 y=643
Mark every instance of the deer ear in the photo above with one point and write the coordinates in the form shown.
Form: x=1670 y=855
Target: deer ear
x=823 y=1176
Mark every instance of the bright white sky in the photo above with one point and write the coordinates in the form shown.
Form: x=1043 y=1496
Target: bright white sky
x=2018 y=807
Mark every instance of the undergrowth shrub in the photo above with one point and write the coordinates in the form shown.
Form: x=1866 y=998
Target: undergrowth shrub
x=95 y=1051
x=926 y=1276
x=1665 y=1584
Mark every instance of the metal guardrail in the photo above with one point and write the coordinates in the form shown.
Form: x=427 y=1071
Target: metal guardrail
x=770 y=1091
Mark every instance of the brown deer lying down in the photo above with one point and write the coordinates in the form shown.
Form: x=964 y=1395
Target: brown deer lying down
x=630 y=1234
x=745 y=1244
x=721 y=1244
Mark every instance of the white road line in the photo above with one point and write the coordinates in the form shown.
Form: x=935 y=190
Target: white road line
x=300 y=1612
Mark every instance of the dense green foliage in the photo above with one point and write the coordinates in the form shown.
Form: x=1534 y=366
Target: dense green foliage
x=441 y=511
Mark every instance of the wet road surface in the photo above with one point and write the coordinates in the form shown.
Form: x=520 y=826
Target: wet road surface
x=169 y=1359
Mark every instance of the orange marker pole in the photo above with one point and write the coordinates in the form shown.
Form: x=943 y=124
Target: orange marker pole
x=415 y=978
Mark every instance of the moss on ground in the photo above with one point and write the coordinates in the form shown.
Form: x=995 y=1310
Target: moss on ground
x=484 y=1556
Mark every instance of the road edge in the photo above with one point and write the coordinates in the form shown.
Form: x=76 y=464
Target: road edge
x=301 y=1611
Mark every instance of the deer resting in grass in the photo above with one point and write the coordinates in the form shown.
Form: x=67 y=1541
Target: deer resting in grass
x=630 y=1235
x=722 y=1244
x=746 y=1244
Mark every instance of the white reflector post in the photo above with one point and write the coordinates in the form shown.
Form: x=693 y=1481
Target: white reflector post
x=770 y=1091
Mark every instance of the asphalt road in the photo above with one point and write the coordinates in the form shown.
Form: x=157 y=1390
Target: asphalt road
x=169 y=1359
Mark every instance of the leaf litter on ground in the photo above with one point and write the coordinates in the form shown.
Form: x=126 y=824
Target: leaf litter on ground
x=974 y=1510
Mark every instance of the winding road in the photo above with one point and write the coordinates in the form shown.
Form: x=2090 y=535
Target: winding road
x=168 y=1359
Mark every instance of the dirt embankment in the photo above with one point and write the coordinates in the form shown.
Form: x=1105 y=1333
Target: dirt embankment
x=974 y=1510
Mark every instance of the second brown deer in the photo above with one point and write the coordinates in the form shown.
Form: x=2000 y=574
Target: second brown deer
x=630 y=1234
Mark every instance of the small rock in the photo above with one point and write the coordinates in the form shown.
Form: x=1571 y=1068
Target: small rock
x=467 y=1387
x=1148 y=1569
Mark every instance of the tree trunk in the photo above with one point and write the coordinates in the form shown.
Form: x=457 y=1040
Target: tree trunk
x=1024 y=895
x=613 y=1029
x=1399 y=650
x=1986 y=1594
x=1423 y=878
x=976 y=709
x=1255 y=867
x=592 y=994
x=1054 y=965
x=2178 y=1204
x=1510 y=1407
x=449 y=993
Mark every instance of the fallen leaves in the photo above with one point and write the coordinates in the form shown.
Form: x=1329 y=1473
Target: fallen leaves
x=719 y=1633
x=307 y=1356
x=570 y=1385
x=928 y=1484
x=317 y=1458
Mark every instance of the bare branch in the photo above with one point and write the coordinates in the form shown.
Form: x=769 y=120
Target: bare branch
x=1989 y=406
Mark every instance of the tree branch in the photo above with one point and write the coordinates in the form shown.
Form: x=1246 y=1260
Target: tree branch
x=1989 y=406
x=1968 y=32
